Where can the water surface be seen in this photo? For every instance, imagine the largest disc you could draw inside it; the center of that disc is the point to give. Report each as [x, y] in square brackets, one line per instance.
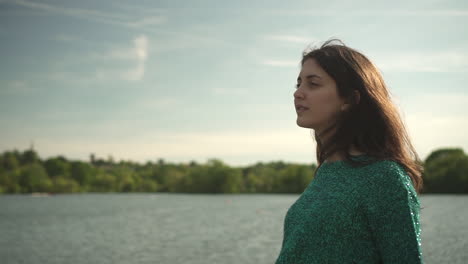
[184, 228]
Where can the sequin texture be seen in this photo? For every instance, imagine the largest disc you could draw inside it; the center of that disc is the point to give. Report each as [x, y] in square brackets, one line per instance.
[367, 214]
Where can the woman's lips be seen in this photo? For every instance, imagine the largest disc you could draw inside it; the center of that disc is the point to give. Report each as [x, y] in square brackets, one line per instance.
[300, 109]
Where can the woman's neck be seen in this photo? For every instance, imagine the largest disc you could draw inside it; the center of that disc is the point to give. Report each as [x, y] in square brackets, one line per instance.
[340, 156]
[353, 151]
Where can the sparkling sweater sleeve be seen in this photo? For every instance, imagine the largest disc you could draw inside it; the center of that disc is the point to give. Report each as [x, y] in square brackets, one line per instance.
[392, 209]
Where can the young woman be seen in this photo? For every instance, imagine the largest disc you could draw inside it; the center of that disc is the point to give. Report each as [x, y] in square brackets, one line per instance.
[362, 205]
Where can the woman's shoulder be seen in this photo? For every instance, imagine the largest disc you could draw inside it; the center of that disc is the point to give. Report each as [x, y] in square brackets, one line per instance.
[388, 176]
[366, 164]
[384, 170]
[373, 171]
[385, 166]
[367, 168]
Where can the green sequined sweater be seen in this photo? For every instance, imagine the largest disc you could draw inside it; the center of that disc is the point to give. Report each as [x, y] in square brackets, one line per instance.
[367, 214]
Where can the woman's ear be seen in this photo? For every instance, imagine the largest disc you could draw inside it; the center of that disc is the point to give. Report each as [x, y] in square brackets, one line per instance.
[354, 100]
[345, 107]
[357, 97]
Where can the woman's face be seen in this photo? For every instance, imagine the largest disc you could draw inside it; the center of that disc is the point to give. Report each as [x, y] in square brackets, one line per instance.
[316, 98]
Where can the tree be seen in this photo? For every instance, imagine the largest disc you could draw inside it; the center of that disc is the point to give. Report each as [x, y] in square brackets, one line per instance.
[82, 172]
[104, 182]
[124, 176]
[57, 166]
[65, 185]
[171, 179]
[443, 153]
[294, 178]
[33, 178]
[29, 156]
[232, 181]
[10, 161]
[262, 178]
[446, 171]
[146, 185]
[9, 180]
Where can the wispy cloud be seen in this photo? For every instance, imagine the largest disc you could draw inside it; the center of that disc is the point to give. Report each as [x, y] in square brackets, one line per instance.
[288, 38]
[66, 38]
[447, 12]
[138, 55]
[281, 63]
[15, 87]
[95, 15]
[76, 12]
[436, 120]
[147, 21]
[444, 61]
[229, 91]
[177, 146]
[453, 98]
[440, 131]
[279, 41]
[154, 103]
[439, 105]
[141, 54]
[355, 12]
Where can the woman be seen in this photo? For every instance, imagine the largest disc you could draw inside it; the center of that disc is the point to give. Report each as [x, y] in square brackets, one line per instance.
[362, 205]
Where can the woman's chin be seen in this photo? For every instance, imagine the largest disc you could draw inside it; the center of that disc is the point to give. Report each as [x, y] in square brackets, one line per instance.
[302, 124]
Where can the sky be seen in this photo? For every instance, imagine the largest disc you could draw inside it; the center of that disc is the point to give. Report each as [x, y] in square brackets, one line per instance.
[194, 80]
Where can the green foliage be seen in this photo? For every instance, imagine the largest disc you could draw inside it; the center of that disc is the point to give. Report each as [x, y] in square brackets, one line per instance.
[9, 160]
[33, 178]
[9, 180]
[446, 170]
[146, 185]
[443, 153]
[124, 176]
[104, 182]
[29, 156]
[261, 178]
[81, 172]
[294, 178]
[58, 166]
[64, 185]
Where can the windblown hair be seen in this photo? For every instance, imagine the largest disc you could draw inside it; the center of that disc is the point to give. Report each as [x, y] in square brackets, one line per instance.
[372, 124]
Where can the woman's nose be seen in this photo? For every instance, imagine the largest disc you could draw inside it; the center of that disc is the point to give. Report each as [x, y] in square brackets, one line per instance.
[298, 93]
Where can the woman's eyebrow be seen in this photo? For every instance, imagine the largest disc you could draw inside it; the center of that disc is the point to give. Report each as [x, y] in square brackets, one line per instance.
[310, 76]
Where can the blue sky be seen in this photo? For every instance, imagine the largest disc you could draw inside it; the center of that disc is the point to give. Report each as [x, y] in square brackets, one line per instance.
[193, 80]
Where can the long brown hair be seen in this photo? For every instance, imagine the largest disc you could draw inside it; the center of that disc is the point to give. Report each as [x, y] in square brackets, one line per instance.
[372, 124]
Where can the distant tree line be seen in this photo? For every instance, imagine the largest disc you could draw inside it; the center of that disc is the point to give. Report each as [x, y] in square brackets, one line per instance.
[446, 171]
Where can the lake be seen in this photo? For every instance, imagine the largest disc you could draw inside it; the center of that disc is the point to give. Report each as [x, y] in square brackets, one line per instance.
[184, 228]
